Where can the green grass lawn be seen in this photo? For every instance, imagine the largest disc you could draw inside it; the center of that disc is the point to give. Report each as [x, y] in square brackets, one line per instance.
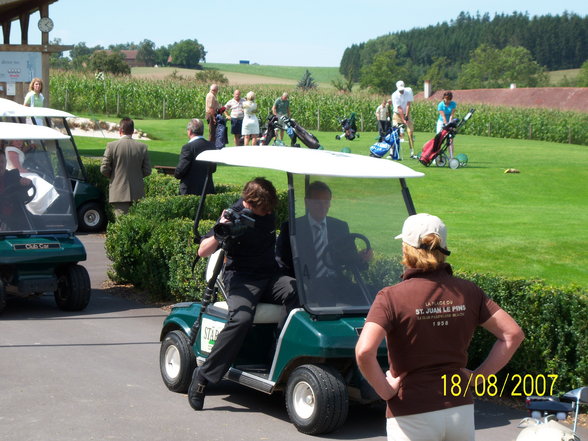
[531, 224]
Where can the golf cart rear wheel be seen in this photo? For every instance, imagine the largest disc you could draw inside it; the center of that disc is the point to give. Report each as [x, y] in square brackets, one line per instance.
[176, 361]
[73, 288]
[316, 399]
[91, 217]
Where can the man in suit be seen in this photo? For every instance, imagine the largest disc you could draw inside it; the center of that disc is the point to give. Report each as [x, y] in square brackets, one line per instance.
[314, 232]
[189, 171]
[125, 163]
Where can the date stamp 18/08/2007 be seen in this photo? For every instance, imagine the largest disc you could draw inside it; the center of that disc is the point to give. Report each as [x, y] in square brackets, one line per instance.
[516, 385]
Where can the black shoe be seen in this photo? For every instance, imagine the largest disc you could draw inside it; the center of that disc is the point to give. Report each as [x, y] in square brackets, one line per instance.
[197, 391]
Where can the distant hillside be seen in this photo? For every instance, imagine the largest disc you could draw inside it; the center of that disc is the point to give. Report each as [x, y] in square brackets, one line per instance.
[556, 42]
[322, 75]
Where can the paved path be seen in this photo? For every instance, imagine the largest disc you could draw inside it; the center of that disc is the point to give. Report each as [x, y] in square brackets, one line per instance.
[95, 375]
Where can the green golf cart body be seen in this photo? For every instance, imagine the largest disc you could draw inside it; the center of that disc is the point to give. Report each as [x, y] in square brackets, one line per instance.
[314, 360]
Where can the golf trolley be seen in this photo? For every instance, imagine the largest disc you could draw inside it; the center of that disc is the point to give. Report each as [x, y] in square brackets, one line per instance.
[436, 148]
[547, 411]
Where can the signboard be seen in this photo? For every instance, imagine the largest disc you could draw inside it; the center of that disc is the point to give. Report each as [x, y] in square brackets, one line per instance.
[19, 67]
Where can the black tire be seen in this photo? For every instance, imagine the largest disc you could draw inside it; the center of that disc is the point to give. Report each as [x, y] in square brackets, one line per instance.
[73, 288]
[2, 296]
[91, 217]
[316, 399]
[176, 361]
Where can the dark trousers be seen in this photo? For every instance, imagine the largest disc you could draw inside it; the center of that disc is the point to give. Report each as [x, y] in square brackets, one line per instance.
[245, 292]
[383, 127]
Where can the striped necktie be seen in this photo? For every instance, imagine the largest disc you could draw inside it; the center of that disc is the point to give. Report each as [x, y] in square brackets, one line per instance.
[320, 243]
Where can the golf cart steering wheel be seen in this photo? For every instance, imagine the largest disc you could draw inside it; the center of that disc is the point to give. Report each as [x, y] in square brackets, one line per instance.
[343, 252]
[20, 193]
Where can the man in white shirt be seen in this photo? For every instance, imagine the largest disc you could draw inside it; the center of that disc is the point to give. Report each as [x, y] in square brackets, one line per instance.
[401, 101]
[235, 107]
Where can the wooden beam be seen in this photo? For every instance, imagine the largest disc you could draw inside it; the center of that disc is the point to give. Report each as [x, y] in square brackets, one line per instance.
[49, 48]
[6, 31]
[24, 28]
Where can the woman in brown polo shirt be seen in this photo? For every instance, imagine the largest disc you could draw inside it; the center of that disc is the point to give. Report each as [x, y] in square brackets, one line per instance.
[428, 321]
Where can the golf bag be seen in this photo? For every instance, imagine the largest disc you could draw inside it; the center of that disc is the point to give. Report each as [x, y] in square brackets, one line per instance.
[269, 130]
[391, 143]
[307, 138]
[221, 137]
[349, 128]
[442, 140]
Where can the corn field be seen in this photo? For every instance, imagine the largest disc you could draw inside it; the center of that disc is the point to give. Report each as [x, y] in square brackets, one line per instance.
[315, 110]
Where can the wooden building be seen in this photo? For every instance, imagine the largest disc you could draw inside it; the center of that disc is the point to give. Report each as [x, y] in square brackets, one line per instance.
[14, 81]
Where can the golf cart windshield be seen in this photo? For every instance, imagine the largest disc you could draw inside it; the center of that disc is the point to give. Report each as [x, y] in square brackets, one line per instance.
[56, 119]
[343, 249]
[35, 191]
[360, 203]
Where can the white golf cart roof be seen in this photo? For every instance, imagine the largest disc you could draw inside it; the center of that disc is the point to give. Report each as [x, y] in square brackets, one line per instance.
[10, 131]
[11, 109]
[309, 162]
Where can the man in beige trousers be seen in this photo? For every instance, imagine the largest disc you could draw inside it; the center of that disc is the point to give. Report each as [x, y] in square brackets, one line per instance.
[125, 163]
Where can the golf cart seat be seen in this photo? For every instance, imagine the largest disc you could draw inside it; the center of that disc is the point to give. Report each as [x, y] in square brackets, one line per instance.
[264, 313]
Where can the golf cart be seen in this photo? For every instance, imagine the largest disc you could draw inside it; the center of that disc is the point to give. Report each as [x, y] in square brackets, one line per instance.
[38, 250]
[89, 200]
[314, 360]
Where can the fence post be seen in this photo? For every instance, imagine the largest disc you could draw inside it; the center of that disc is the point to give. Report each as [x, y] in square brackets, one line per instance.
[318, 120]
[530, 131]
[489, 131]
[117, 103]
[569, 135]
[163, 115]
[361, 121]
[66, 97]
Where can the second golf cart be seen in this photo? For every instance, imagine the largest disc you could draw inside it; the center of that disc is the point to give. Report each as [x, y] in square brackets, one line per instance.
[314, 361]
[39, 252]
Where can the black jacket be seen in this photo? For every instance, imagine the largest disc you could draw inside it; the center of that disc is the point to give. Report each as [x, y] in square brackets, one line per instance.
[191, 172]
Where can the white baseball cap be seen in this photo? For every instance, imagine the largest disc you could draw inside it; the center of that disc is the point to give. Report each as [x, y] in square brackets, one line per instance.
[400, 85]
[420, 225]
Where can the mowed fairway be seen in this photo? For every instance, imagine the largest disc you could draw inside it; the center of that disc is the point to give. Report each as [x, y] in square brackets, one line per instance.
[530, 225]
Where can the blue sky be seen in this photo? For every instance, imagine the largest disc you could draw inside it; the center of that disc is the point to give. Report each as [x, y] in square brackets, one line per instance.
[294, 33]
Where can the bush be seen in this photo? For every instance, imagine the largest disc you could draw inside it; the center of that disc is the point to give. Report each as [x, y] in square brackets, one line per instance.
[153, 246]
[555, 321]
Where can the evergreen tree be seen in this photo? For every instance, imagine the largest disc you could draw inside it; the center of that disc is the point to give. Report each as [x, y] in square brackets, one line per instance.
[307, 82]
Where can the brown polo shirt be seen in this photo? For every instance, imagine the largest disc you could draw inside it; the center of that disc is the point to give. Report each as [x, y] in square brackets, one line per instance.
[429, 319]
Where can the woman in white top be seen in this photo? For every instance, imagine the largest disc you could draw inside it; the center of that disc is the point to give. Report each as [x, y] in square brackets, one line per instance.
[250, 129]
[15, 156]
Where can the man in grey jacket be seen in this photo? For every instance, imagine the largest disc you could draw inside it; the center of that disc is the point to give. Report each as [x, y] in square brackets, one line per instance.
[125, 163]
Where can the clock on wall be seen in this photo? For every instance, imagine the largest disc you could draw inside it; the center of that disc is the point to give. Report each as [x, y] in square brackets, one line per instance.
[45, 24]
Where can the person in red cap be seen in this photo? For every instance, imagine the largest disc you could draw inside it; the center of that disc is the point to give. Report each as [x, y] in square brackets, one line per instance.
[428, 321]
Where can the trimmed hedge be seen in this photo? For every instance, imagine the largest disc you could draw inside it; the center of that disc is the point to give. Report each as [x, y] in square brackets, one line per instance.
[153, 248]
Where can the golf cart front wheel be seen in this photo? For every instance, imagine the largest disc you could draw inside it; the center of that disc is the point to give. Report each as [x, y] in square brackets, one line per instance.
[176, 361]
[316, 399]
[2, 296]
[73, 288]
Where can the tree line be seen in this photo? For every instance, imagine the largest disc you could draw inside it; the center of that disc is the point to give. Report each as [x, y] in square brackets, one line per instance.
[185, 54]
[525, 46]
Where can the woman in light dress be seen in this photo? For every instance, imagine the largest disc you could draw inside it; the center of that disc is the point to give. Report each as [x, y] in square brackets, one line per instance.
[34, 98]
[250, 130]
